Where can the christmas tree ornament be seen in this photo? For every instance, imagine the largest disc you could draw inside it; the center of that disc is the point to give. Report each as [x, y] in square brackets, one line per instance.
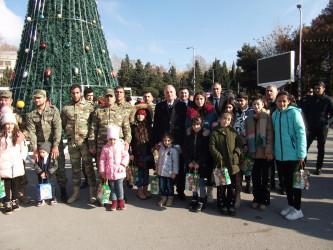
[20, 104]
[113, 74]
[48, 72]
[41, 16]
[13, 75]
[86, 48]
[77, 17]
[94, 21]
[99, 72]
[76, 70]
[103, 51]
[67, 45]
[102, 27]
[59, 15]
[27, 51]
[43, 46]
[25, 74]
[29, 19]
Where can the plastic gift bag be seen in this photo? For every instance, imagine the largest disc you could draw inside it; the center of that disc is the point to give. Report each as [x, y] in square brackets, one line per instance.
[103, 192]
[129, 175]
[246, 164]
[301, 177]
[44, 191]
[2, 189]
[196, 183]
[135, 172]
[221, 176]
[189, 181]
[154, 185]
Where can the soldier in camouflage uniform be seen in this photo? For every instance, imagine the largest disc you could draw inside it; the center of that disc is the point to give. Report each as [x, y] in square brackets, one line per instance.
[102, 117]
[44, 124]
[6, 100]
[120, 100]
[75, 121]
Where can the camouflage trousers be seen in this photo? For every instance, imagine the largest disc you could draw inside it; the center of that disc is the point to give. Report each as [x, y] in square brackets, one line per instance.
[76, 153]
[61, 171]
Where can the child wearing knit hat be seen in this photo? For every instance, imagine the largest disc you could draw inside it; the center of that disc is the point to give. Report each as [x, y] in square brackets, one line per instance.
[12, 154]
[45, 169]
[112, 166]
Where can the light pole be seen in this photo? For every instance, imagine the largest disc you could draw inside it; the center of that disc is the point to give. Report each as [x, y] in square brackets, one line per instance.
[299, 93]
[193, 47]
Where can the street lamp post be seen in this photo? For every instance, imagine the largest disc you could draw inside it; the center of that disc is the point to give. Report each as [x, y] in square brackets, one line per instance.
[299, 93]
[193, 47]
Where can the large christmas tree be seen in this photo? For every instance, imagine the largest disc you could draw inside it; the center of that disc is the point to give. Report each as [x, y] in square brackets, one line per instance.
[62, 44]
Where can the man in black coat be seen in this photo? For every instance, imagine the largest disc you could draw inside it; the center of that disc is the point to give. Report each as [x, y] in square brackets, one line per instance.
[170, 116]
[217, 98]
[318, 115]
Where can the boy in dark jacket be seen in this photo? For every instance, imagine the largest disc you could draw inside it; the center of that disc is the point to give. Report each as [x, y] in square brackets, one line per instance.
[45, 169]
[225, 147]
[195, 153]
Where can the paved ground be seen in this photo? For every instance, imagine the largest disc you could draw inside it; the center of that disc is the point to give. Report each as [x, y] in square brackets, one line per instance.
[143, 225]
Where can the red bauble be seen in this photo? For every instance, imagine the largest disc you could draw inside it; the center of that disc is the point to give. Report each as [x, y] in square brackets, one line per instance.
[43, 45]
[48, 72]
[113, 74]
[13, 75]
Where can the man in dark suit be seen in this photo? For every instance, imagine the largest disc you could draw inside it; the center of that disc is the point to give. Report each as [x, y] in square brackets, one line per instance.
[183, 95]
[217, 98]
[170, 116]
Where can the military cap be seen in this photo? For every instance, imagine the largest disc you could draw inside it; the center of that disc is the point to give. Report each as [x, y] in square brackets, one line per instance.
[109, 92]
[39, 93]
[6, 93]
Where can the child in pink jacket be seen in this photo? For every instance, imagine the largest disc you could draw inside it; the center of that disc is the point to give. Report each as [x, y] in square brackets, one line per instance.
[112, 166]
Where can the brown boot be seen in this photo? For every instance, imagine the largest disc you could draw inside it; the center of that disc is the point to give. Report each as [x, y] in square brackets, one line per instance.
[75, 196]
[141, 195]
[162, 201]
[146, 192]
[92, 194]
[22, 198]
[169, 201]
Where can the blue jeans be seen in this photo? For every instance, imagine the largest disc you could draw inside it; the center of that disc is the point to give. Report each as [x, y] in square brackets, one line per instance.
[143, 178]
[202, 189]
[117, 190]
[166, 186]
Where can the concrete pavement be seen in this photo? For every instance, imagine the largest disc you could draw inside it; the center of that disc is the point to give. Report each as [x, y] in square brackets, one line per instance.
[143, 225]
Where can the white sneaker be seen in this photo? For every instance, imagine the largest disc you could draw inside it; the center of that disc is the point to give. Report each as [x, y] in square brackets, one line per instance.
[286, 210]
[294, 214]
[210, 195]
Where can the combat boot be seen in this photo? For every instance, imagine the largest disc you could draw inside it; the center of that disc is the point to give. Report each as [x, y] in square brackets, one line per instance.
[75, 196]
[169, 201]
[22, 198]
[92, 193]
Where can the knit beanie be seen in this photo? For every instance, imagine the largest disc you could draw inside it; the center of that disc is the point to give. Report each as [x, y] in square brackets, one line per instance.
[46, 146]
[141, 112]
[7, 115]
[113, 132]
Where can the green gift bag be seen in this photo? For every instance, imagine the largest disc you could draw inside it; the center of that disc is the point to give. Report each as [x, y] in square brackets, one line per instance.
[135, 172]
[2, 189]
[103, 192]
[154, 185]
[246, 164]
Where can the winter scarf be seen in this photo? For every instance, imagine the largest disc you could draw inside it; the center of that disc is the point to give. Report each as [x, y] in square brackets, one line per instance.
[259, 140]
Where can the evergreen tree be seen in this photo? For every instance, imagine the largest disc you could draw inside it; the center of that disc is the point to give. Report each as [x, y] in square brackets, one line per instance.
[62, 44]
[7, 76]
[225, 78]
[233, 76]
[125, 72]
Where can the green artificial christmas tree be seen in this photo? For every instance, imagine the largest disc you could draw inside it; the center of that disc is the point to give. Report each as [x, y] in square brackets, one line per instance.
[62, 44]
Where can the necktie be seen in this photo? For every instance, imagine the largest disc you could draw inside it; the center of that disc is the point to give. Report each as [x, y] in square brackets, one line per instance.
[216, 104]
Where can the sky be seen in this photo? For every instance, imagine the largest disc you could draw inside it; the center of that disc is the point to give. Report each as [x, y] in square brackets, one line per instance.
[160, 31]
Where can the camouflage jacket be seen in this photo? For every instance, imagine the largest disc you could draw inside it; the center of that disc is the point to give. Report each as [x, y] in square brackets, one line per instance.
[126, 106]
[76, 118]
[44, 126]
[102, 117]
[20, 122]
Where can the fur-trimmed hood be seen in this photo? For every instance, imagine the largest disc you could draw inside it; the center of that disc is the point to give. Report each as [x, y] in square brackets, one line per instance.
[138, 107]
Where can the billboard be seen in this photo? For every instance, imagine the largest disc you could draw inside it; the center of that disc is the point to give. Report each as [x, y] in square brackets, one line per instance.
[278, 69]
